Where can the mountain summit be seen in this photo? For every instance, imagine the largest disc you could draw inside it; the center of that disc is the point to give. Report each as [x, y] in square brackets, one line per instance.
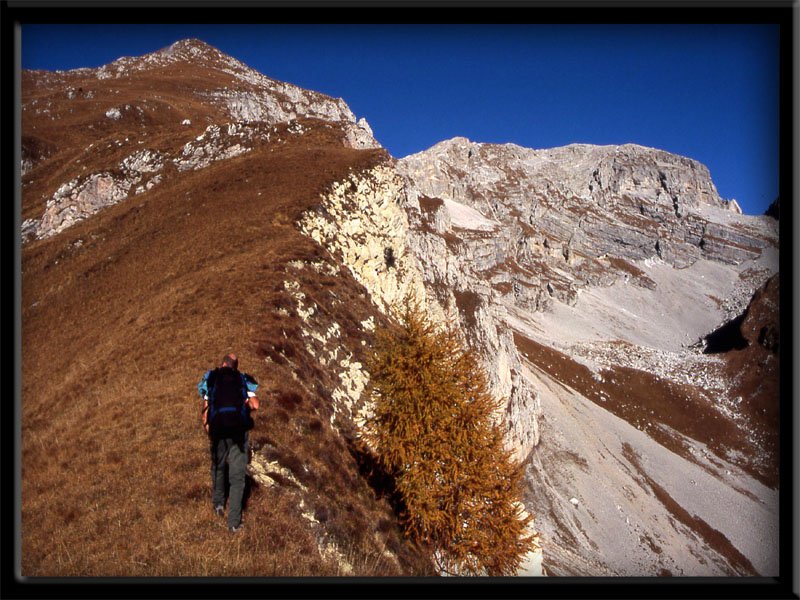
[180, 205]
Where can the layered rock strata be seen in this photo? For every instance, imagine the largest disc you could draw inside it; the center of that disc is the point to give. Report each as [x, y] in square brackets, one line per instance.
[571, 215]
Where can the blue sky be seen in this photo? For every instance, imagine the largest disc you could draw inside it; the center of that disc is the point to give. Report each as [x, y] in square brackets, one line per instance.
[709, 92]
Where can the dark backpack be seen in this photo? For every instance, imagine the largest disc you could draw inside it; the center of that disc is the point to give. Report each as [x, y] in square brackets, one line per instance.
[227, 394]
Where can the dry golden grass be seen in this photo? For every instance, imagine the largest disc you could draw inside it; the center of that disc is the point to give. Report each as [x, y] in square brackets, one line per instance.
[116, 333]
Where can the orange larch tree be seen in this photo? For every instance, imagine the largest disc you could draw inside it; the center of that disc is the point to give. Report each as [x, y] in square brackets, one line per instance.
[434, 429]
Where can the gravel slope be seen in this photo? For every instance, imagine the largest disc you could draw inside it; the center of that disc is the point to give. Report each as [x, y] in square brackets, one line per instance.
[608, 498]
[617, 523]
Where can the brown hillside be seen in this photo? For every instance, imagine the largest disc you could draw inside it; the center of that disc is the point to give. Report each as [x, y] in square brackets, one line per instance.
[755, 370]
[64, 114]
[121, 315]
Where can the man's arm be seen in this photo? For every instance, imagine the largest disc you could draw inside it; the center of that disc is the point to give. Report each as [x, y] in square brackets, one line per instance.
[202, 387]
[252, 386]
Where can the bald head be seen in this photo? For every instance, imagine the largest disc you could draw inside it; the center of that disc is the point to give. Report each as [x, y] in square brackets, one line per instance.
[230, 360]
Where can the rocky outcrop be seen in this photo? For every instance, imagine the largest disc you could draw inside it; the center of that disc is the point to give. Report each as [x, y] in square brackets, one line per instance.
[621, 256]
[476, 228]
[362, 221]
[254, 106]
[255, 97]
[85, 195]
[375, 222]
[246, 94]
[80, 198]
[602, 175]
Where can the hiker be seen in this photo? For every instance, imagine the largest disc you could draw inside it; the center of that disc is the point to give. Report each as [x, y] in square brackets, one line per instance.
[229, 396]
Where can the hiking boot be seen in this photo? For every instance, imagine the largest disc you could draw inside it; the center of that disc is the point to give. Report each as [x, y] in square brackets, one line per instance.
[220, 510]
[235, 529]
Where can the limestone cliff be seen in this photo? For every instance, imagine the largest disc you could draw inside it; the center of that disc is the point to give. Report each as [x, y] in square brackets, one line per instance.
[374, 223]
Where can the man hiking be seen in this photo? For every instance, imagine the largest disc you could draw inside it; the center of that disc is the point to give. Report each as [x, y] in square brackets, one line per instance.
[229, 397]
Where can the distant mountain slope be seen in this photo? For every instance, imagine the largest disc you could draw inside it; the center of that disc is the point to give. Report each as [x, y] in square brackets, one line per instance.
[608, 265]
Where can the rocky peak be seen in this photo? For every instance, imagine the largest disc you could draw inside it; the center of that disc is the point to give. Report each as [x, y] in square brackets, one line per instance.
[214, 79]
[501, 230]
[592, 201]
[192, 52]
[600, 174]
[189, 50]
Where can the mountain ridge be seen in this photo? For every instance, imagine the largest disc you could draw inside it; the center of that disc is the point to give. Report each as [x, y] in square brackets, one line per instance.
[555, 270]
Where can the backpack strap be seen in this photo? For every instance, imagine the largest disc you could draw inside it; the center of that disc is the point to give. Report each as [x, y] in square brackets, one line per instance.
[211, 380]
[244, 400]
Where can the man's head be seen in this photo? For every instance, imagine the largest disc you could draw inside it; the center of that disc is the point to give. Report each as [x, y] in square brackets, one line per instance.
[230, 360]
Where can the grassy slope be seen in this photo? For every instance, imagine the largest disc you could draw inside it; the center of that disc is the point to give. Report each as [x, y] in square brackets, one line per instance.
[117, 331]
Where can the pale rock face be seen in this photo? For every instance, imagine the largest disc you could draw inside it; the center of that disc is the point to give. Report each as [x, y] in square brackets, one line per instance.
[259, 98]
[362, 221]
[215, 144]
[252, 97]
[455, 246]
[373, 216]
[359, 135]
[143, 161]
[84, 196]
[74, 201]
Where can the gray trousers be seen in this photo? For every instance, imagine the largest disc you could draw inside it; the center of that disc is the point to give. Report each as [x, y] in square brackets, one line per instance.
[234, 452]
